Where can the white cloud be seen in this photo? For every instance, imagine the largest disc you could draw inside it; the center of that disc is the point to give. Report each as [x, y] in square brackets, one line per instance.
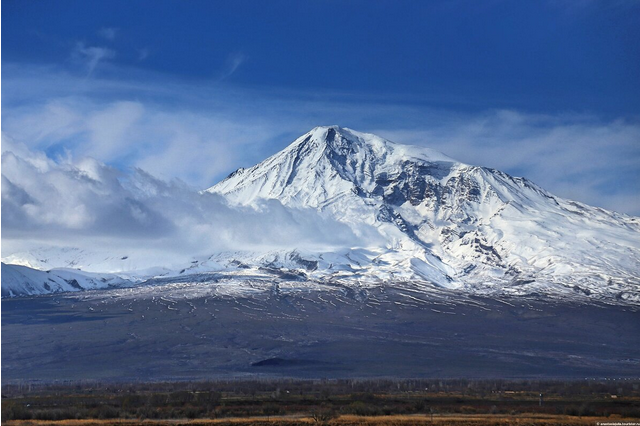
[143, 54]
[86, 204]
[91, 56]
[54, 121]
[108, 33]
[110, 130]
[233, 62]
[183, 150]
[194, 146]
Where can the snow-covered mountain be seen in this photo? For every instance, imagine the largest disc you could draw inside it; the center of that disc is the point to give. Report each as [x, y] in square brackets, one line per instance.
[444, 226]
[452, 224]
[21, 281]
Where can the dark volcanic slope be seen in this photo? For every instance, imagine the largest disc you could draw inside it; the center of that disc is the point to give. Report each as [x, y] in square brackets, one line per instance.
[96, 335]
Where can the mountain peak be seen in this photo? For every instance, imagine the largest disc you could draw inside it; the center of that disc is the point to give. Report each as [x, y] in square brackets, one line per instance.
[349, 142]
[333, 136]
[324, 130]
[324, 163]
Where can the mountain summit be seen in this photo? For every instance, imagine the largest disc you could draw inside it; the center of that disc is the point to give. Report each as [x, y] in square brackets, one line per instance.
[449, 223]
[323, 164]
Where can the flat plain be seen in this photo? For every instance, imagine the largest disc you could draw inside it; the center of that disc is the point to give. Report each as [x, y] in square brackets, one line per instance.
[196, 331]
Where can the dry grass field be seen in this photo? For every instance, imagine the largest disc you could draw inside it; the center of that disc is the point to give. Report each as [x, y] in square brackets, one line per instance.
[344, 402]
[350, 420]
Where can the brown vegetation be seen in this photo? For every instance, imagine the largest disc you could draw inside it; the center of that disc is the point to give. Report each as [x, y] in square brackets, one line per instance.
[347, 420]
[341, 402]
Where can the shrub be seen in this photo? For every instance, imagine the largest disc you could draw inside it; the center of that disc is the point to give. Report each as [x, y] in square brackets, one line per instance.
[14, 411]
[323, 414]
[104, 412]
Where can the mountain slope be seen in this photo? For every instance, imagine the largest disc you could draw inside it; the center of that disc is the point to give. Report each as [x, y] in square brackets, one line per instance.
[455, 225]
[24, 281]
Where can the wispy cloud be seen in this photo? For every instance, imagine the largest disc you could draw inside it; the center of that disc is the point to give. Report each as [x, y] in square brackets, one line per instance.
[112, 129]
[108, 33]
[196, 146]
[91, 56]
[143, 54]
[201, 132]
[233, 62]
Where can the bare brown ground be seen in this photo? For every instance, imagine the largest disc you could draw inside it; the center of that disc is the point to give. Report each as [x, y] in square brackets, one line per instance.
[348, 420]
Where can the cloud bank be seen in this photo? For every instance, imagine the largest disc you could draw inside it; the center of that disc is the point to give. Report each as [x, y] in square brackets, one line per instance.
[88, 205]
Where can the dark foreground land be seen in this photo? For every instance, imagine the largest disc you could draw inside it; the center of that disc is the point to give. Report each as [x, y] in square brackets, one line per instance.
[202, 331]
[347, 420]
[199, 353]
[337, 402]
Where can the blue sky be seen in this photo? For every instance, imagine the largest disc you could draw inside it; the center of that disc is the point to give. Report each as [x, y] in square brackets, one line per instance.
[556, 55]
[195, 89]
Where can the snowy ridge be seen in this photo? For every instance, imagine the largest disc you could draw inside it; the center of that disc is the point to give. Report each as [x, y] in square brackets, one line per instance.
[444, 226]
[21, 281]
